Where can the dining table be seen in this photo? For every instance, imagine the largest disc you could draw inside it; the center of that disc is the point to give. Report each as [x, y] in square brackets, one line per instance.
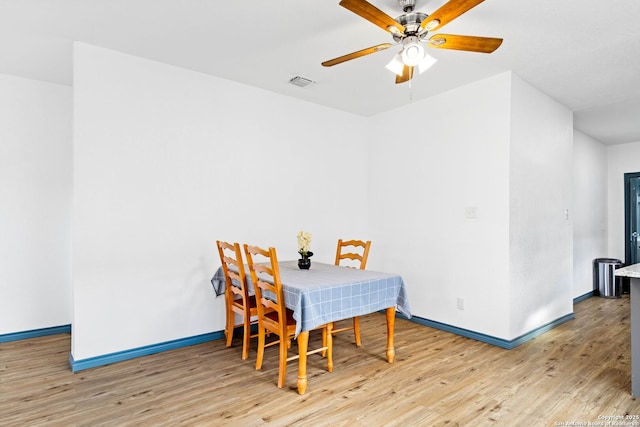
[327, 293]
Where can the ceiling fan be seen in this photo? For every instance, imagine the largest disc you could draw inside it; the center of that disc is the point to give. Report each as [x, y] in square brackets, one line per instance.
[411, 29]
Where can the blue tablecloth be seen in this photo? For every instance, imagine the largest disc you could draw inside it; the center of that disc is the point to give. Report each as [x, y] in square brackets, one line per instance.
[328, 293]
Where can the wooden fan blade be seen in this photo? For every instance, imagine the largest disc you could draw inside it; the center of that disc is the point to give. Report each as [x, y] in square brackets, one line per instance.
[372, 14]
[447, 13]
[468, 43]
[358, 54]
[407, 74]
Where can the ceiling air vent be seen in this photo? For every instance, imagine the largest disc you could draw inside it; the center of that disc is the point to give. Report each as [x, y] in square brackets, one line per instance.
[300, 81]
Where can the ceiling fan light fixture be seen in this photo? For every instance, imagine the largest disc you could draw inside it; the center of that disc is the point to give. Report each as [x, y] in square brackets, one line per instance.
[413, 52]
[396, 65]
[426, 63]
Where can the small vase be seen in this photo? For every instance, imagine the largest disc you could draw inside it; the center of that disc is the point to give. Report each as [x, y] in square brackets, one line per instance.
[304, 263]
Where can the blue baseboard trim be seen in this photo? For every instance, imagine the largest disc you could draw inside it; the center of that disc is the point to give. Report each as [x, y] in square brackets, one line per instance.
[54, 330]
[499, 342]
[581, 298]
[92, 362]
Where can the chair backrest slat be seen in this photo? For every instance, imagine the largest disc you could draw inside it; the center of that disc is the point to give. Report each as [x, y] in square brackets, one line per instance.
[233, 268]
[265, 276]
[355, 250]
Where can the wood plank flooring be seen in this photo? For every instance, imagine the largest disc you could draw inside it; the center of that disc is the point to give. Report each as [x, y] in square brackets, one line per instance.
[577, 372]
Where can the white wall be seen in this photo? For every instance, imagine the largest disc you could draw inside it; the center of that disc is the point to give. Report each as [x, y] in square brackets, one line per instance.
[503, 148]
[589, 209]
[624, 158]
[422, 180]
[165, 159]
[540, 231]
[168, 160]
[35, 204]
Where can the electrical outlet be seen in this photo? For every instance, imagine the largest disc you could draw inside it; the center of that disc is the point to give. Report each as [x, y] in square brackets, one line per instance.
[460, 303]
[471, 212]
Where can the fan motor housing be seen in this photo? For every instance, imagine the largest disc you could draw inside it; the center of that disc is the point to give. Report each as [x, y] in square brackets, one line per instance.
[411, 22]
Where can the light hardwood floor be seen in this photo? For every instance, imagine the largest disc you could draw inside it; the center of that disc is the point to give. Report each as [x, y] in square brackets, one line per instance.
[577, 372]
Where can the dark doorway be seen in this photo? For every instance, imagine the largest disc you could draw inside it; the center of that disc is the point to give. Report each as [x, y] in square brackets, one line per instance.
[631, 216]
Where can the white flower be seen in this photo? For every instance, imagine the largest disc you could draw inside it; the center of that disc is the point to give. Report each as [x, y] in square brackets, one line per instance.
[304, 242]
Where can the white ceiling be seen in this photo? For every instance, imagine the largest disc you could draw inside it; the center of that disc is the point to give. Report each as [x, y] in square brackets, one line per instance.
[583, 53]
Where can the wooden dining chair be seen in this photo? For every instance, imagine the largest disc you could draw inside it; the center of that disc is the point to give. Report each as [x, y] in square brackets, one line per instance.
[273, 316]
[354, 254]
[236, 294]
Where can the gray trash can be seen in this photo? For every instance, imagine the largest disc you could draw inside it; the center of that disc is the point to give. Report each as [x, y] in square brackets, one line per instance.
[604, 278]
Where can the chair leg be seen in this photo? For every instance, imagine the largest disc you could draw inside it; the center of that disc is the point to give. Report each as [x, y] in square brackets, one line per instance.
[228, 331]
[356, 330]
[282, 369]
[260, 348]
[325, 331]
[246, 338]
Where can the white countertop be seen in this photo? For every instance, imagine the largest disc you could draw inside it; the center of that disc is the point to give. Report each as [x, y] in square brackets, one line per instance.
[632, 270]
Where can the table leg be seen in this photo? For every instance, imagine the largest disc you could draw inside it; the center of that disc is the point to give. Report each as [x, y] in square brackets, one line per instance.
[391, 317]
[330, 345]
[303, 345]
